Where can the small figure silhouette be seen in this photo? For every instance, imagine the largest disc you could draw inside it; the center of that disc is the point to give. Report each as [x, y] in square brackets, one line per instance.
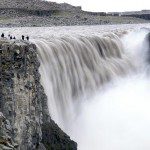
[10, 37]
[2, 35]
[14, 37]
[22, 37]
[27, 38]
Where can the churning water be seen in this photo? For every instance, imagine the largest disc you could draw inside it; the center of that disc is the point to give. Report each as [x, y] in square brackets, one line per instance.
[97, 82]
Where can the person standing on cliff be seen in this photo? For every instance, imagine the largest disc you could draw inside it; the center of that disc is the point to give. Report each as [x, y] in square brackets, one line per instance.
[27, 38]
[22, 37]
[2, 35]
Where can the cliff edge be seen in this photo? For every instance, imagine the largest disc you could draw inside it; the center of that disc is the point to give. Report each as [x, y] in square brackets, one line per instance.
[25, 123]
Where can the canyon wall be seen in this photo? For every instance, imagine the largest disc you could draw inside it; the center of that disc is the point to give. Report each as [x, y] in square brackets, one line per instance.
[25, 123]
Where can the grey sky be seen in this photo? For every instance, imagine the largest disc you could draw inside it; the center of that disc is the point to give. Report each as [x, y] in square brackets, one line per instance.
[109, 5]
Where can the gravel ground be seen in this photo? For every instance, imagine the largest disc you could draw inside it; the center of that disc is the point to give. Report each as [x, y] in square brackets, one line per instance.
[39, 13]
[65, 19]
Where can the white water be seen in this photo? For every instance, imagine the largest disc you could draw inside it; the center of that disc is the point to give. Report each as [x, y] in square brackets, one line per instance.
[117, 115]
[71, 67]
[108, 115]
[117, 118]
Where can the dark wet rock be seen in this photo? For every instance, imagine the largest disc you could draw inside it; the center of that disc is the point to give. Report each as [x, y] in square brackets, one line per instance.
[25, 123]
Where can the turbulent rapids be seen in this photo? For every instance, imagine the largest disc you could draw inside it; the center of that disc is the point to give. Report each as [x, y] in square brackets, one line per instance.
[76, 73]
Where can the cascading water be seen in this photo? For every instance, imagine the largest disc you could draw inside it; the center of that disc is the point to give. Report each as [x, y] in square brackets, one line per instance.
[76, 68]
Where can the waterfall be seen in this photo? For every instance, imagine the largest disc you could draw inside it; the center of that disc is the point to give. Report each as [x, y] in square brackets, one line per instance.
[76, 66]
[95, 85]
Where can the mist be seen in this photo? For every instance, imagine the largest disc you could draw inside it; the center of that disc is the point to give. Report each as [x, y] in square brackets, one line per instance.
[99, 113]
[117, 116]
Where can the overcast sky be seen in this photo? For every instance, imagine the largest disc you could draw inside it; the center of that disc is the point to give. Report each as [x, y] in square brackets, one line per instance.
[109, 5]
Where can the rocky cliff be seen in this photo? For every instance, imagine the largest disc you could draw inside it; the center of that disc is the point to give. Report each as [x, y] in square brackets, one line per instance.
[25, 123]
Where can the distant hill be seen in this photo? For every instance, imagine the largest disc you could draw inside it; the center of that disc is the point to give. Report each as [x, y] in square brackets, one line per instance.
[36, 5]
[22, 13]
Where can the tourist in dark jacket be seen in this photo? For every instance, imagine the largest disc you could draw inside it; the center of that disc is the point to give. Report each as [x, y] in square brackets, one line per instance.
[27, 38]
[2, 35]
[22, 37]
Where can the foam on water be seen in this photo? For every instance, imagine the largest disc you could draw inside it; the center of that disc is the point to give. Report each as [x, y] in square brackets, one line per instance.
[51, 32]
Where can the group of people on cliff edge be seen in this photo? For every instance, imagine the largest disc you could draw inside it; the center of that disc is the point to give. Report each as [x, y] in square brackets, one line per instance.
[13, 37]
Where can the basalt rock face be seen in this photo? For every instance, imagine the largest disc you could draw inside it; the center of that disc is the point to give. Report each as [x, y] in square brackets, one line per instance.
[25, 123]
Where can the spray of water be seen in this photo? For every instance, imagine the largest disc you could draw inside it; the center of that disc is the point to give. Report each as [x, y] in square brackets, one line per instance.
[71, 67]
[98, 89]
[118, 116]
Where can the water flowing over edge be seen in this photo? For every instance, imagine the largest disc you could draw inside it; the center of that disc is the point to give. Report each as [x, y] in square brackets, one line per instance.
[74, 67]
